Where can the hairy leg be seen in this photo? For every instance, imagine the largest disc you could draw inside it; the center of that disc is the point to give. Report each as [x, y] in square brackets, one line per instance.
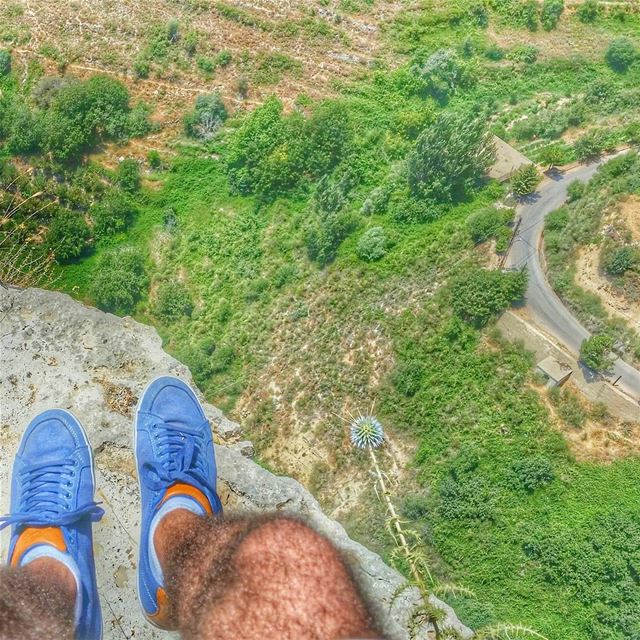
[37, 601]
[257, 578]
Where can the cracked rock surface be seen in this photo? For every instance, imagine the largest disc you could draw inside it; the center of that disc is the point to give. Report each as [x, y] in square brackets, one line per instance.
[56, 352]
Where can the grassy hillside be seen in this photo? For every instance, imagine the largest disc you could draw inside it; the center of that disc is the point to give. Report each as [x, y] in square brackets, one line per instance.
[323, 253]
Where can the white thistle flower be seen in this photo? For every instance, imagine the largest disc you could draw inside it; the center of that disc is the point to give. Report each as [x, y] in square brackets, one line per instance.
[366, 432]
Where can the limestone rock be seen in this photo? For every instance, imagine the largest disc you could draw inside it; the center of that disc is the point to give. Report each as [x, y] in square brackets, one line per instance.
[58, 352]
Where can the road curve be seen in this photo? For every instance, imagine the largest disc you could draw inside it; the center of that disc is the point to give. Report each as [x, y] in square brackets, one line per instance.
[544, 306]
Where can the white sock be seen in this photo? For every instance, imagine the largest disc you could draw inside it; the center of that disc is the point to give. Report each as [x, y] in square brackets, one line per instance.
[48, 551]
[175, 502]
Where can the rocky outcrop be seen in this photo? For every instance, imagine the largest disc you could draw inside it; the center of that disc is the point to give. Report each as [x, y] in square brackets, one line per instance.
[58, 352]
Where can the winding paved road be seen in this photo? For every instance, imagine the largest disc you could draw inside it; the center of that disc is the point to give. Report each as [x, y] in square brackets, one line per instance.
[545, 307]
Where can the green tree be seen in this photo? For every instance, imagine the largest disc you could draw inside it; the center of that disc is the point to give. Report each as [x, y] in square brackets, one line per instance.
[372, 244]
[617, 260]
[592, 144]
[173, 301]
[588, 11]
[449, 158]
[621, 54]
[68, 235]
[553, 155]
[486, 223]
[533, 472]
[112, 214]
[128, 175]
[206, 118]
[119, 279]
[327, 136]
[480, 294]
[595, 352]
[525, 180]
[550, 14]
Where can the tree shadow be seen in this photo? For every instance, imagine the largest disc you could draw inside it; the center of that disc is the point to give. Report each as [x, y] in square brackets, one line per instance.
[555, 174]
[529, 198]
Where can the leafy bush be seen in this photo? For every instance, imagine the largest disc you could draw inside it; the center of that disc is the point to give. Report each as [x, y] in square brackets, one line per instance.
[588, 11]
[478, 295]
[325, 237]
[526, 53]
[617, 260]
[592, 144]
[407, 377]
[372, 244]
[142, 67]
[68, 235]
[595, 352]
[73, 115]
[112, 214]
[173, 301]
[5, 62]
[595, 561]
[525, 180]
[207, 117]
[621, 54]
[119, 280]
[550, 14]
[532, 473]
[154, 159]
[466, 498]
[494, 52]
[576, 190]
[128, 175]
[486, 223]
[271, 153]
[449, 158]
[444, 72]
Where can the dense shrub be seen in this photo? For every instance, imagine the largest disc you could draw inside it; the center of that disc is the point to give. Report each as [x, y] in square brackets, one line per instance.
[575, 190]
[207, 117]
[128, 175]
[449, 158]
[372, 244]
[595, 559]
[119, 279]
[526, 53]
[617, 260]
[5, 62]
[494, 52]
[595, 352]
[621, 54]
[466, 498]
[73, 115]
[173, 301]
[68, 235]
[532, 473]
[480, 294]
[444, 72]
[407, 377]
[487, 222]
[271, 153]
[588, 11]
[592, 144]
[550, 13]
[154, 159]
[525, 180]
[112, 214]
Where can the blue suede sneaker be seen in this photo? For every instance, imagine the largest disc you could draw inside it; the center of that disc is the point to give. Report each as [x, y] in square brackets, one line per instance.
[176, 470]
[52, 508]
